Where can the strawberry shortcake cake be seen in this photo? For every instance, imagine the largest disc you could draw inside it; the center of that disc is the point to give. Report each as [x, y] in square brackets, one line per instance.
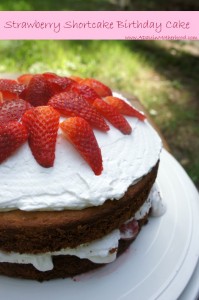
[78, 165]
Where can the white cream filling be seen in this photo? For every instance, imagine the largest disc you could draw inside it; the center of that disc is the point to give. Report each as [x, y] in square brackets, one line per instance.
[154, 201]
[71, 184]
[96, 251]
[99, 251]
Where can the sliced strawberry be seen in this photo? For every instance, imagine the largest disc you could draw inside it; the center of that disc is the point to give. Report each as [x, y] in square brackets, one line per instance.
[13, 110]
[72, 104]
[86, 92]
[10, 89]
[101, 89]
[42, 123]
[25, 78]
[60, 84]
[1, 99]
[80, 134]
[124, 108]
[12, 136]
[112, 115]
[49, 75]
[37, 92]
[76, 79]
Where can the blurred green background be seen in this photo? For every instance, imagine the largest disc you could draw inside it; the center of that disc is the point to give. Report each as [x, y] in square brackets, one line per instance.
[164, 75]
[98, 5]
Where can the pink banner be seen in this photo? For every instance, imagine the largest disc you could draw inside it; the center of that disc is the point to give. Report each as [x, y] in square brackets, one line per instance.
[101, 25]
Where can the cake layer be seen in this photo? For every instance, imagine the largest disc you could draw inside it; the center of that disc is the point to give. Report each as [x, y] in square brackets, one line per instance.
[64, 265]
[44, 231]
[103, 250]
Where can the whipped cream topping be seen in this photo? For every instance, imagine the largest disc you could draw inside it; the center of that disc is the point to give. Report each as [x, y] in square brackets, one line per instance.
[70, 183]
[100, 251]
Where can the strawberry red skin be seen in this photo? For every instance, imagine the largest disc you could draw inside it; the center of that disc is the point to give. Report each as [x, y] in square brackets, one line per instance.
[60, 84]
[101, 89]
[80, 134]
[1, 99]
[124, 108]
[42, 123]
[50, 75]
[10, 89]
[42, 87]
[76, 78]
[86, 92]
[72, 104]
[12, 136]
[62, 81]
[25, 79]
[13, 110]
[113, 116]
[38, 92]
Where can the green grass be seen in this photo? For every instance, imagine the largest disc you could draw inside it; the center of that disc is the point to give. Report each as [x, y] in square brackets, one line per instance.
[56, 5]
[97, 5]
[163, 75]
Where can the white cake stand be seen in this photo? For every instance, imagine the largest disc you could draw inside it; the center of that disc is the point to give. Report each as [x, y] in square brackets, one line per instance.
[161, 264]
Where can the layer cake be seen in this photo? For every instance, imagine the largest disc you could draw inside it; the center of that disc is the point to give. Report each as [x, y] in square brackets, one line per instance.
[65, 219]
